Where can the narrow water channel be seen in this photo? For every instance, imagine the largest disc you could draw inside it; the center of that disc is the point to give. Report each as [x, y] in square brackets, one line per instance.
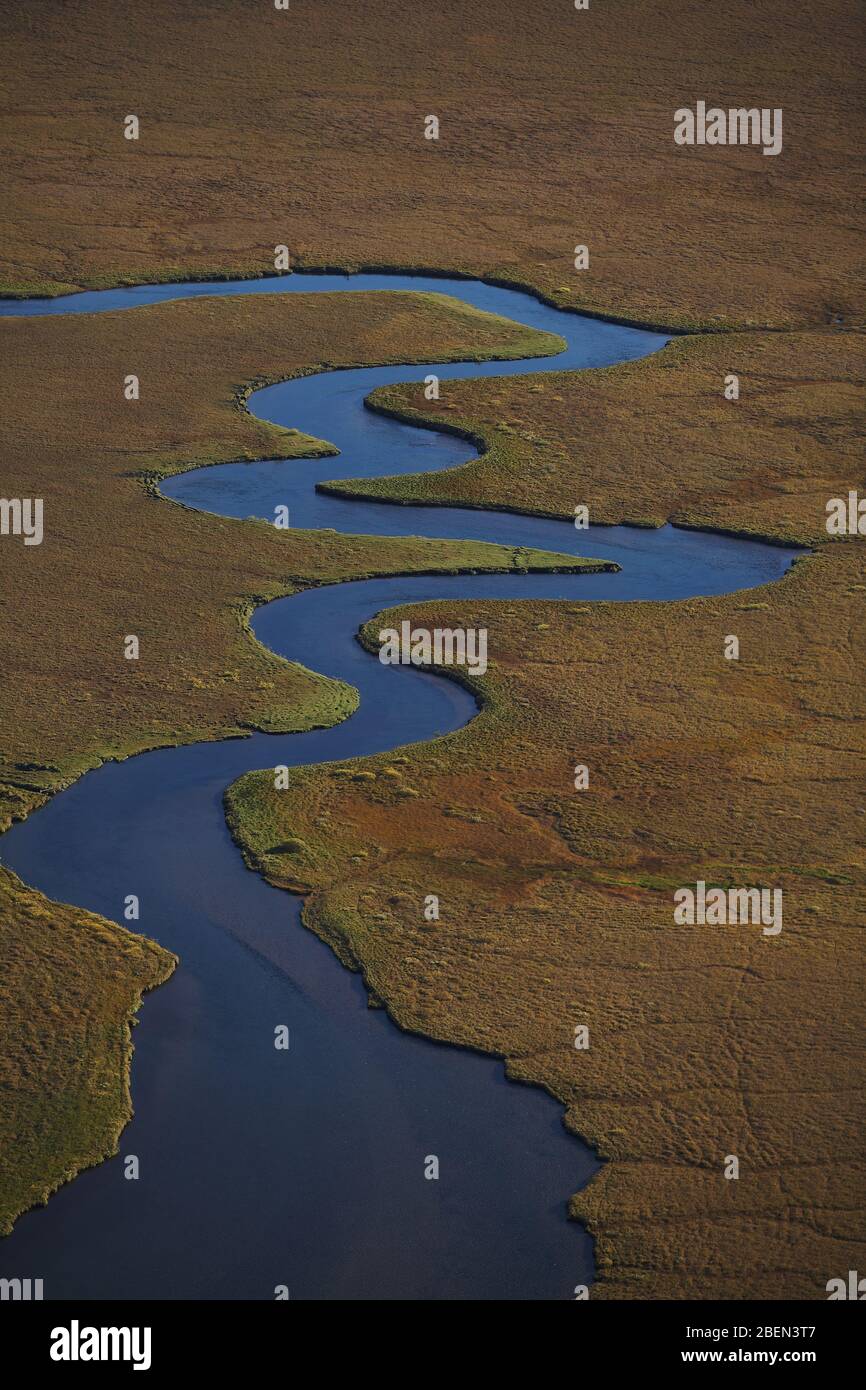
[305, 1168]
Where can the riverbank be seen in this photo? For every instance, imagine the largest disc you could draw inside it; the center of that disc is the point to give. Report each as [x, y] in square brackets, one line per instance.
[656, 440]
[71, 984]
[309, 133]
[736, 772]
[536, 649]
[117, 560]
[703, 1042]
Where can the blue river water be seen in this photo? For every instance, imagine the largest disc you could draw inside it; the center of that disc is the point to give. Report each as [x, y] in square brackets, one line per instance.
[306, 1168]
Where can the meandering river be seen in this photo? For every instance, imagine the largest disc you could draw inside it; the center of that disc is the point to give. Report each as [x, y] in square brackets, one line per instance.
[262, 1168]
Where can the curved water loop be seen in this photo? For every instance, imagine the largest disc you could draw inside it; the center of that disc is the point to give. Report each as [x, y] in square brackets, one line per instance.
[306, 1169]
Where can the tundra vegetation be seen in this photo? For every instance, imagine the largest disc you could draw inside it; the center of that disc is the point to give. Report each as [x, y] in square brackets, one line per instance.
[306, 128]
[555, 129]
[556, 904]
[657, 439]
[117, 560]
[555, 908]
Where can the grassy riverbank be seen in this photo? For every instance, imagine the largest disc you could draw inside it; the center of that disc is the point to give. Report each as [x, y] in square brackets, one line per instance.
[556, 129]
[556, 905]
[556, 909]
[117, 560]
[70, 985]
[656, 439]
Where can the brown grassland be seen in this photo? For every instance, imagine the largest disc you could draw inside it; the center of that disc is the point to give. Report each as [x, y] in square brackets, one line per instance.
[556, 909]
[656, 440]
[557, 905]
[306, 128]
[70, 983]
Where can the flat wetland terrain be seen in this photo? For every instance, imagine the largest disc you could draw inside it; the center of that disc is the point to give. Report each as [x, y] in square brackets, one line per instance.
[556, 908]
[305, 128]
[656, 440]
[119, 560]
[556, 905]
